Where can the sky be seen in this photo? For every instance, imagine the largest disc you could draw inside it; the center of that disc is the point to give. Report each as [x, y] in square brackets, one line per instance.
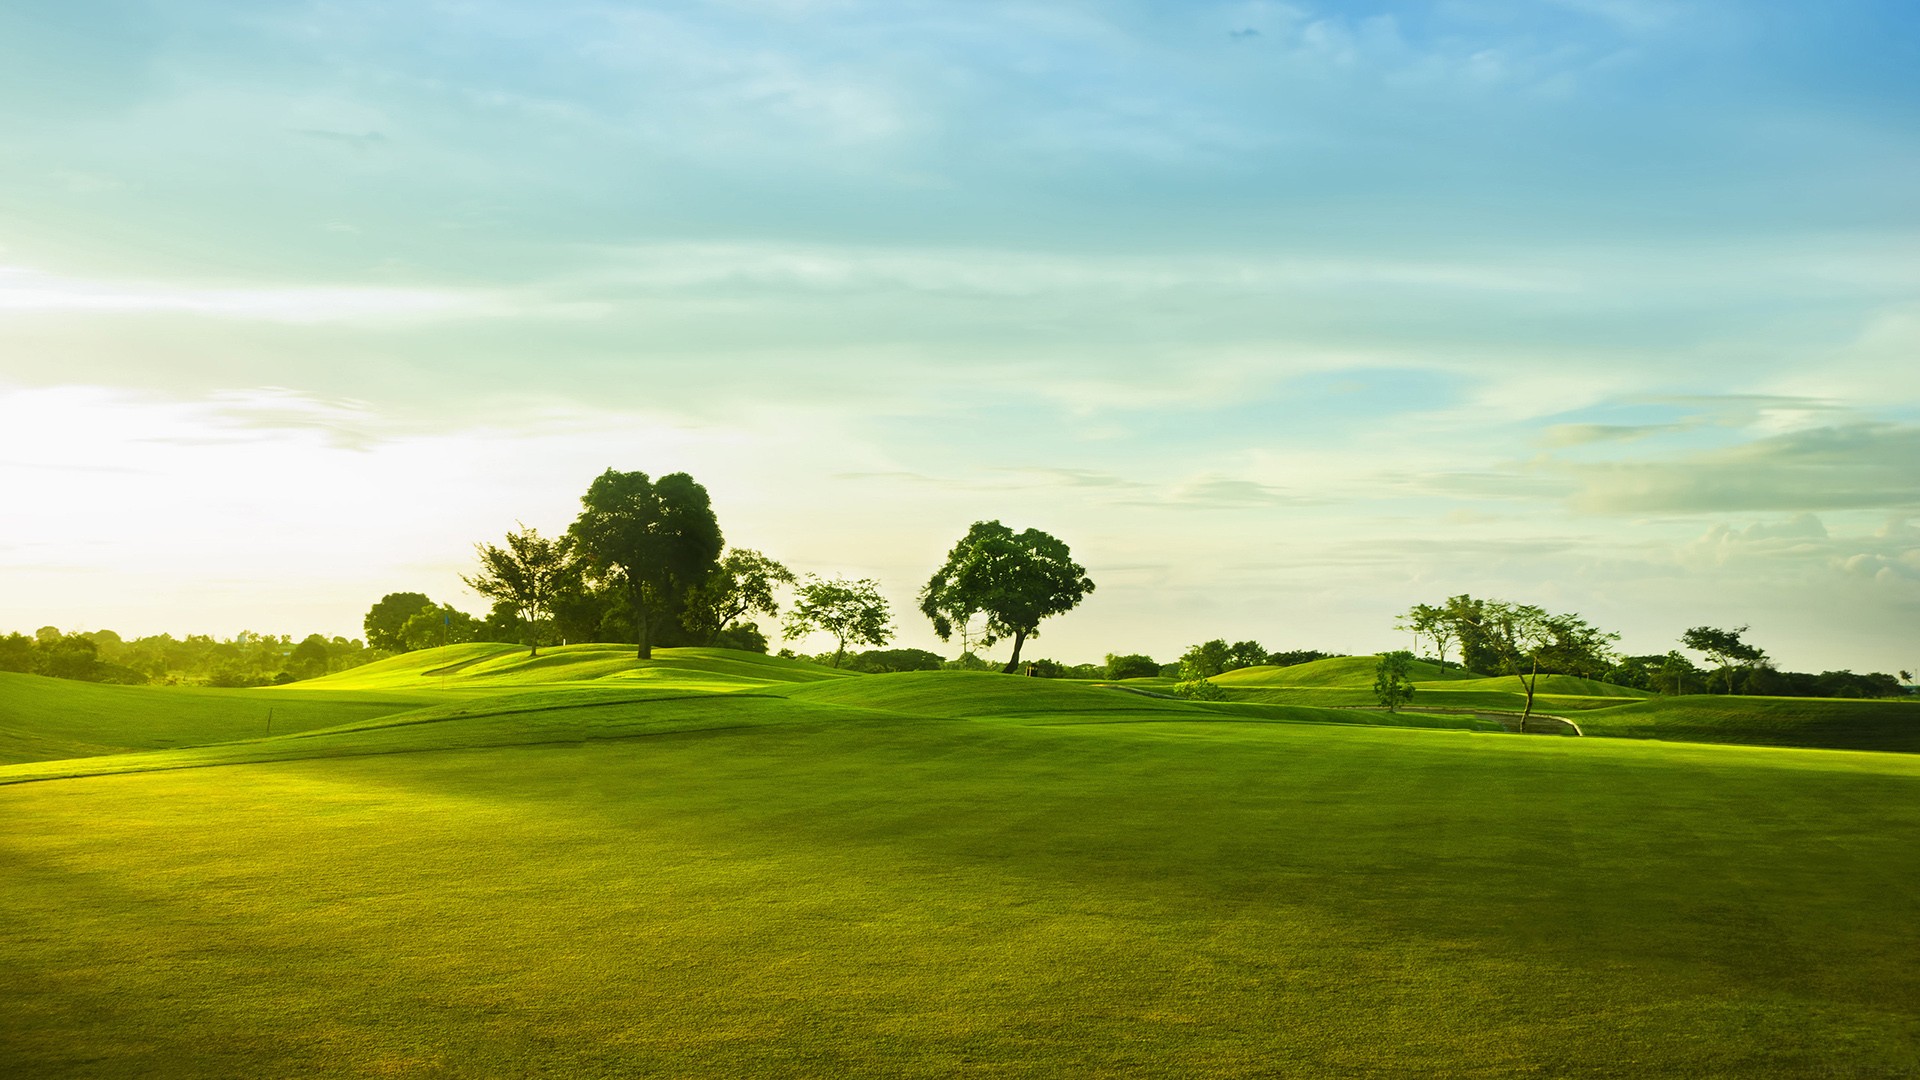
[1284, 316]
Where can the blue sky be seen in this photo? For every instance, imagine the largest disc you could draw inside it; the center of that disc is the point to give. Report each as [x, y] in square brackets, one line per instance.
[1284, 315]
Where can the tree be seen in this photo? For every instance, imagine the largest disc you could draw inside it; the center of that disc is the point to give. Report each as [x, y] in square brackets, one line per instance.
[385, 618]
[1723, 647]
[530, 573]
[1390, 683]
[1432, 623]
[1015, 580]
[849, 610]
[653, 541]
[1246, 654]
[1131, 666]
[309, 658]
[436, 625]
[741, 584]
[1205, 660]
[1526, 641]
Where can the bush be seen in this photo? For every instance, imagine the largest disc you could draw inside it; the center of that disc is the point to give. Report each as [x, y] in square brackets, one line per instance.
[1131, 666]
[1201, 689]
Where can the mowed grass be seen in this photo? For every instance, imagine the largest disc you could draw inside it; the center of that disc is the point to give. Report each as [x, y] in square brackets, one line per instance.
[45, 719]
[830, 889]
[491, 668]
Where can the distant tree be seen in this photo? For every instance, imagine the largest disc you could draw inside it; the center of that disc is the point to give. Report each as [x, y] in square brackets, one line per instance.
[1243, 654]
[653, 541]
[1131, 666]
[1205, 660]
[1296, 656]
[436, 625]
[309, 658]
[1391, 685]
[741, 584]
[880, 661]
[1014, 580]
[1724, 648]
[16, 653]
[386, 618]
[746, 637]
[70, 656]
[849, 610]
[1200, 689]
[967, 661]
[530, 573]
[1432, 623]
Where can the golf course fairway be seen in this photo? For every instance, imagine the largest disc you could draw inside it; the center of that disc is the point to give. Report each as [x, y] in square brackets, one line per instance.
[783, 872]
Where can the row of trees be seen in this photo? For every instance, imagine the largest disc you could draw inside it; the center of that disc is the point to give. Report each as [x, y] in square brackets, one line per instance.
[247, 659]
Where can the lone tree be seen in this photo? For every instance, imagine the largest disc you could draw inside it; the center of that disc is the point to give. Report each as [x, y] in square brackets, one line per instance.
[651, 540]
[1390, 683]
[1724, 648]
[1526, 642]
[387, 618]
[741, 584]
[529, 574]
[1015, 580]
[849, 610]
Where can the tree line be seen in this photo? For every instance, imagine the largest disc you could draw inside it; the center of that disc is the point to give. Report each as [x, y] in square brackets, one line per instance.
[1526, 641]
[246, 659]
[645, 562]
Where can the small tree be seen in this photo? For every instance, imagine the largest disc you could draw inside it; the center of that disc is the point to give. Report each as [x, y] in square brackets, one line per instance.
[849, 610]
[1432, 623]
[529, 573]
[1390, 683]
[1205, 660]
[1014, 579]
[741, 584]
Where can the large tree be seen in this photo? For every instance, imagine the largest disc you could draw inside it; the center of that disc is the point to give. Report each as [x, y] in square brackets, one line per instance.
[741, 584]
[1527, 642]
[653, 540]
[389, 616]
[849, 610]
[530, 573]
[1432, 623]
[1015, 580]
[1724, 648]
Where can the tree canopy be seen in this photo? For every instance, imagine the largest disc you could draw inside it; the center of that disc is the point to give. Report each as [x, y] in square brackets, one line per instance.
[388, 617]
[652, 540]
[849, 610]
[741, 584]
[1015, 580]
[529, 573]
[1724, 648]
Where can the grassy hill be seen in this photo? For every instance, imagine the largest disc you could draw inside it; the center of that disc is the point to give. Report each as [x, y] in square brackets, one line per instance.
[1807, 722]
[466, 863]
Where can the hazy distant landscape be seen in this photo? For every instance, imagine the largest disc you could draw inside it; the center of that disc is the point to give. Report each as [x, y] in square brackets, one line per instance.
[784, 538]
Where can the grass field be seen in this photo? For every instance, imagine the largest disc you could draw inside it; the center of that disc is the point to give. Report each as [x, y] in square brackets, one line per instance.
[740, 867]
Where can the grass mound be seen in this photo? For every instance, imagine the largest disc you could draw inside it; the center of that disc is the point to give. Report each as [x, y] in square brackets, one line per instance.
[493, 667]
[1336, 671]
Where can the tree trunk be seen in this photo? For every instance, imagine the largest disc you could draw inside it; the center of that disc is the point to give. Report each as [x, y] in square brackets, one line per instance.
[1529, 685]
[839, 650]
[1013, 665]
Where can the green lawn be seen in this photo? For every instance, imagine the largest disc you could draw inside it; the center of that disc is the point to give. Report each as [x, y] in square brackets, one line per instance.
[940, 874]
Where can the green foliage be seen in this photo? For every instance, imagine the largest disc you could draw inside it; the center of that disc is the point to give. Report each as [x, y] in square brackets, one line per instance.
[433, 626]
[651, 541]
[1297, 656]
[388, 616]
[967, 661]
[1433, 623]
[848, 610]
[742, 584]
[746, 637]
[1131, 666]
[1244, 654]
[1724, 648]
[878, 661]
[528, 575]
[1391, 685]
[1205, 660]
[1200, 688]
[1014, 580]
